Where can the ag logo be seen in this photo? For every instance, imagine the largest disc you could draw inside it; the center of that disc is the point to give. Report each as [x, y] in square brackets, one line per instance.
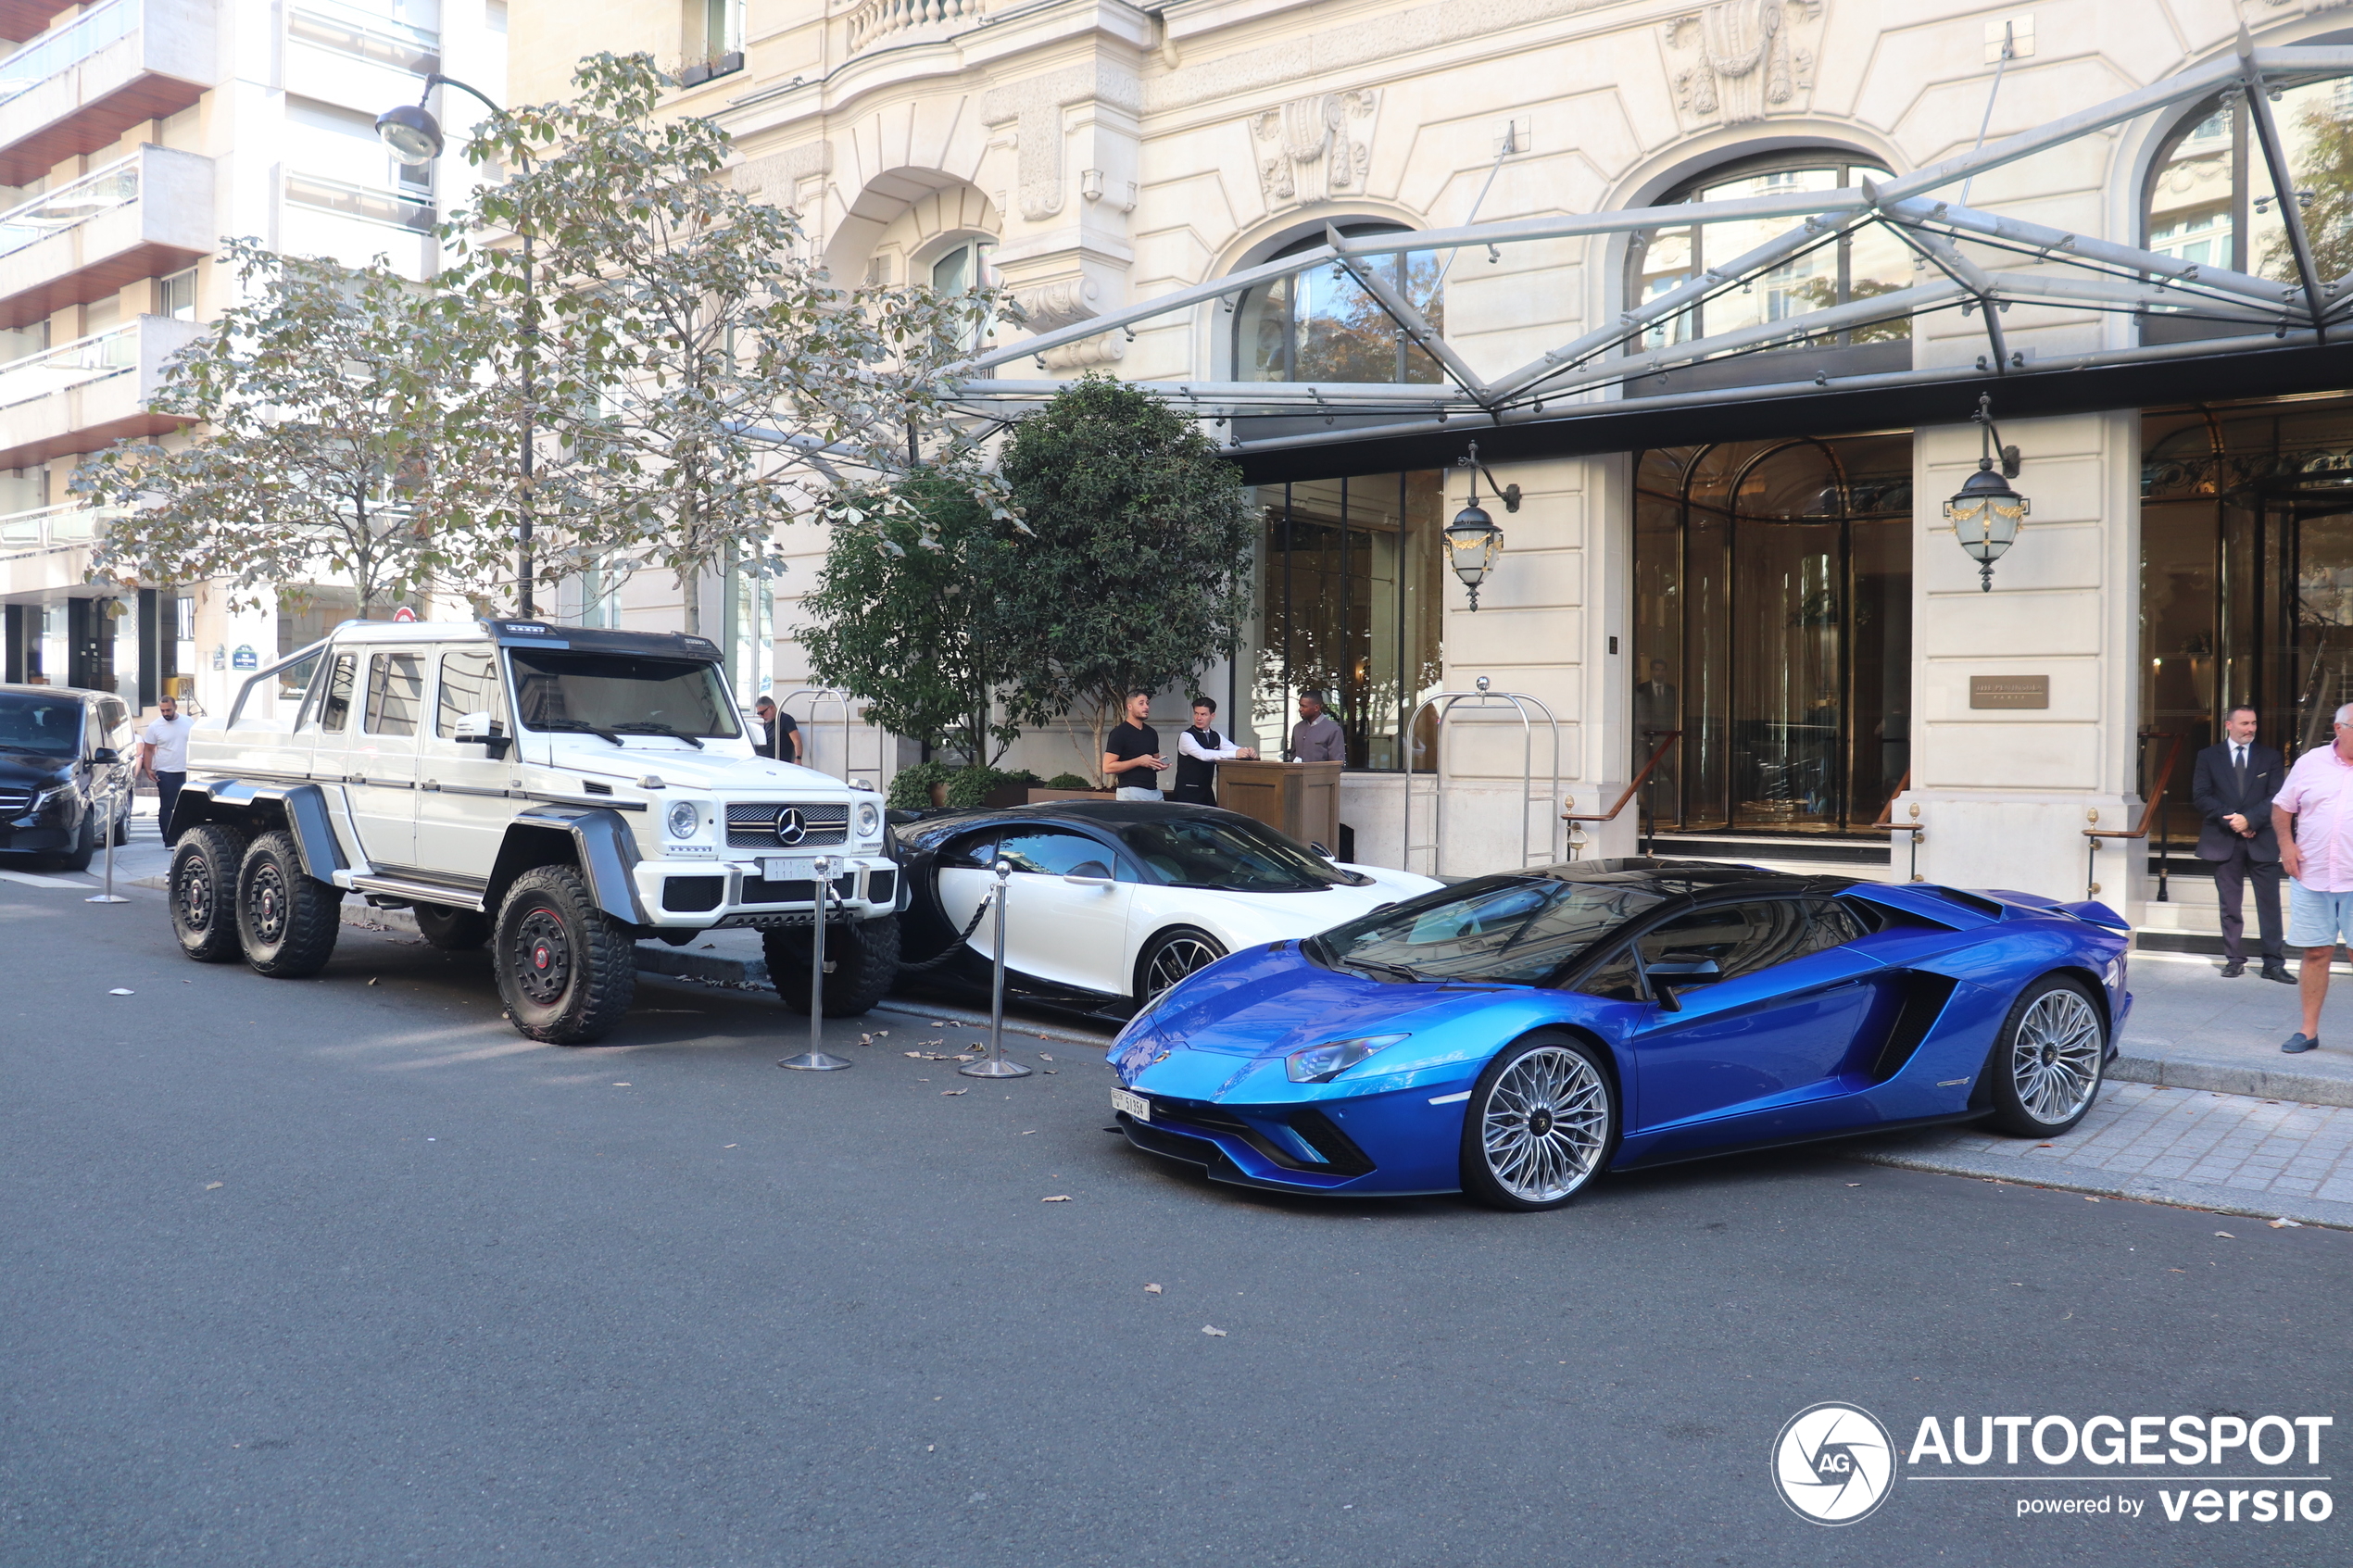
[790, 829]
[1834, 1463]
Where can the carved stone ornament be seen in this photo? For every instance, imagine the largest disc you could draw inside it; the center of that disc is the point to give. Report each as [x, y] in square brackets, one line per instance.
[1740, 60]
[1065, 302]
[1105, 349]
[1311, 149]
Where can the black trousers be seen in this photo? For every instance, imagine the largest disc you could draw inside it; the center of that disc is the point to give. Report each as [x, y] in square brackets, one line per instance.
[2231, 877]
[167, 794]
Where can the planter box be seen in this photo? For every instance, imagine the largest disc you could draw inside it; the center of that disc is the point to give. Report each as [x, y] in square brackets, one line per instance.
[996, 799]
[1037, 797]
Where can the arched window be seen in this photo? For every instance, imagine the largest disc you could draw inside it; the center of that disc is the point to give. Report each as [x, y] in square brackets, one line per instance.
[1853, 266]
[2210, 199]
[1321, 325]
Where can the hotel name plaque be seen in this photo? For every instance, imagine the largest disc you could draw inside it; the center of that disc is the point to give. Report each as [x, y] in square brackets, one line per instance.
[2009, 691]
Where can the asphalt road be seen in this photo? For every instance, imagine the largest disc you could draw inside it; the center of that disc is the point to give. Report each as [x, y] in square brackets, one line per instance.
[343, 1271]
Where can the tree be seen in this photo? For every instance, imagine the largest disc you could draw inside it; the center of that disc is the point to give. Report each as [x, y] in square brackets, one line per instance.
[2327, 173]
[1138, 575]
[334, 443]
[904, 617]
[700, 377]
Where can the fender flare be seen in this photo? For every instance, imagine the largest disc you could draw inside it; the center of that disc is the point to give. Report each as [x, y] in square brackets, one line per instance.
[302, 806]
[606, 852]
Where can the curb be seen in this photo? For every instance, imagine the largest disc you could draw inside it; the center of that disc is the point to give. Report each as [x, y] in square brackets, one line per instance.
[2178, 1194]
[2231, 1078]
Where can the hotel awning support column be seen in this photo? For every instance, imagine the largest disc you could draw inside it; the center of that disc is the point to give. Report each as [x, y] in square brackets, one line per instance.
[2267, 131]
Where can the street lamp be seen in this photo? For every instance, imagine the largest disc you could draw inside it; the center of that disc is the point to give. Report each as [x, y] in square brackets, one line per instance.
[1472, 539]
[1986, 514]
[414, 137]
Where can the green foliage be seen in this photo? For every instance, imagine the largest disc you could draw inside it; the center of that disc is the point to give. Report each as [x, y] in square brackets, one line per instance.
[667, 325]
[1138, 572]
[336, 442]
[911, 787]
[2327, 172]
[902, 615]
[1067, 781]
[969, 788]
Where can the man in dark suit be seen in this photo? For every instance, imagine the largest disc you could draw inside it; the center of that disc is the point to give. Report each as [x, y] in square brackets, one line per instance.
[2232, 791]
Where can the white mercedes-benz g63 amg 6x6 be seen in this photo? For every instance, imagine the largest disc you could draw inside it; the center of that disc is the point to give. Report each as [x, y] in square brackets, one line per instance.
[555, 792]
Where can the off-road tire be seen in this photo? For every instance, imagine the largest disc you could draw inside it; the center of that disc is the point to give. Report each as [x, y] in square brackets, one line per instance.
[203, 889]
[287, 919]
[566, 972]
[2049, 1059]
[861, 964]
[85, 843]
[452, 931]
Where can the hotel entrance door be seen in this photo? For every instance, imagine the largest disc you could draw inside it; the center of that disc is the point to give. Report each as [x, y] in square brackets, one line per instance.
[1773, 598]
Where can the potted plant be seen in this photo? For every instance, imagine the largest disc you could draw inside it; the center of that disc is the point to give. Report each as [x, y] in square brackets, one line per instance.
[1067, 786]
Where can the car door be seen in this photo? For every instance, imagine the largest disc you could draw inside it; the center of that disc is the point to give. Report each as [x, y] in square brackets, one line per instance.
[1066, 933]
[458, 829]
[1780, 1026]
[379, 767]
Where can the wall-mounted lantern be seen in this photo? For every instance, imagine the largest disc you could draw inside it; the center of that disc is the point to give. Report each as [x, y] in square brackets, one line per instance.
[1986, 514]
[1472, 539]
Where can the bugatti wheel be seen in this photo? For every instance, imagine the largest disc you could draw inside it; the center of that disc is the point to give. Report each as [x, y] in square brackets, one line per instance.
[1539, 1124]
[1172, 956]
[2048, 1060]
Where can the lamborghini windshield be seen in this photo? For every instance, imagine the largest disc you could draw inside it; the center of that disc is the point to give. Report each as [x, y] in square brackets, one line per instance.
[621, 694]
[1518, 931]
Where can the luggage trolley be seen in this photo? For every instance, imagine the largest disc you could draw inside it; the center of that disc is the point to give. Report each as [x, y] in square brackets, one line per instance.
[1445, 703]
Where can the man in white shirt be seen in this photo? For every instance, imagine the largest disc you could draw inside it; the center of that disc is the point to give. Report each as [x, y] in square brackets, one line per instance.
[1198, 750]
[163, 755]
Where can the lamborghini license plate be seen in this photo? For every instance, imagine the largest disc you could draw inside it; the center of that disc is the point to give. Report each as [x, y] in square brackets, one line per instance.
[1135, 1105]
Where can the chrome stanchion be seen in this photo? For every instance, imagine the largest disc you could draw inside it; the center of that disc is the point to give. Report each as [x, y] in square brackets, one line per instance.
[814, 1059]
[114, 788]
[994, 1064]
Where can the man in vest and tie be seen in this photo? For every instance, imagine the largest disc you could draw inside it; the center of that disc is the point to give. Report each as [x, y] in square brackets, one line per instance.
[2232, 792]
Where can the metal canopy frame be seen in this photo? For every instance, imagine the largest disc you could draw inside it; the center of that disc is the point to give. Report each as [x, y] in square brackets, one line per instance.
[1445, 703]
[1592, 373]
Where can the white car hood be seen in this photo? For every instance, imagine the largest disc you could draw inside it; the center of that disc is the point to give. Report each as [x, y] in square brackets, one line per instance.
[1270, 917]
[681, 766]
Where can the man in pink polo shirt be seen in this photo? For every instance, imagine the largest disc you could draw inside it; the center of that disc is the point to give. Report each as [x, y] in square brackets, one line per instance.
[2313, 815]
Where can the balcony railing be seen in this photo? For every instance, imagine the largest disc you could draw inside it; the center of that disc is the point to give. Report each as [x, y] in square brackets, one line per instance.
[70, 205]
[63, 47]
[55, 528]
[85, 359]
[876, 20]
[364, 35]
[375, 205]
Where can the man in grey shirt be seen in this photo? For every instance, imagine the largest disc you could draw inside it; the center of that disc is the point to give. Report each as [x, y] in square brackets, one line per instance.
[1317, 736]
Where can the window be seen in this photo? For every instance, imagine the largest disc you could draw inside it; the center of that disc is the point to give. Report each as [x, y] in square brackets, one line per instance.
[1745, 938]
[1312, 326]
[974, 852]
[1230, 853]
[2210, 199]
[1514, 930]
[713, 33]
[332, 709]
[469, 685]
[45, 726]
[1055, 852]
[958, 271]
[1615, 977]
[1853, 266]
[613, 694]
[395, 691]
[176, 296]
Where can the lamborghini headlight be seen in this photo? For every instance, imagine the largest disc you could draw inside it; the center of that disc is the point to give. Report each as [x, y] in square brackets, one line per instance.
[684, 818]
[1320, 1064]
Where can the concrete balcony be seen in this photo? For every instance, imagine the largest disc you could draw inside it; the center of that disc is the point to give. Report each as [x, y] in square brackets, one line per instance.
[44, 551]
[23, 18]
[88, 394]
[142, 217]
[78, 87]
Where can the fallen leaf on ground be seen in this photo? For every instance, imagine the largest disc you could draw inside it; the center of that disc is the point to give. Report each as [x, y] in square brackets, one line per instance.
[2284, 1223]
[1046, 1070]
[1152, 1290]
[123, 991]
[731, 1145]
[1213, 1332]
[624, 1085]
[1043, 1056]
[1854, 1184]
[939, 1023]
[210, 1186]
[371, 980]
[917, 1055]
[866, 1039]
[1032, 1133]
[2226, 1236]
[2090, 1201]
[1058, 1198]
[955, 1091]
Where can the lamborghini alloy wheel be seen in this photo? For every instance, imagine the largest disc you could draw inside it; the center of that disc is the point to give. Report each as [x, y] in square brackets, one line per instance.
[2047, 1061]
[1538, 1125]
[1172, 956]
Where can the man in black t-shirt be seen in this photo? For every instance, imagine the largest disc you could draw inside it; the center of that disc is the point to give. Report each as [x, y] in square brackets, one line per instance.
[1131, 753]
[782, 739]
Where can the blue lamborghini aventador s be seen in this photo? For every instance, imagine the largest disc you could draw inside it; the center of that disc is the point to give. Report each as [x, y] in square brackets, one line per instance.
[1515, 1036]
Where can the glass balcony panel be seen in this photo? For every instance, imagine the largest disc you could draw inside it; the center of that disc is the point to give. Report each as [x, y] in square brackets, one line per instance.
[67, 365]
[365, 36]
[376, 205]
[69, 206]
[63, 47]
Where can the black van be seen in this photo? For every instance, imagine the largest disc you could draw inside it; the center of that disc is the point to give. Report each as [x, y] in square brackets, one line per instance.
[61, 749]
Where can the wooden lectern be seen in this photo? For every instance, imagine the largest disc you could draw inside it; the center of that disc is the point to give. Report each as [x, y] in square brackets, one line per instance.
[1298, 798]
